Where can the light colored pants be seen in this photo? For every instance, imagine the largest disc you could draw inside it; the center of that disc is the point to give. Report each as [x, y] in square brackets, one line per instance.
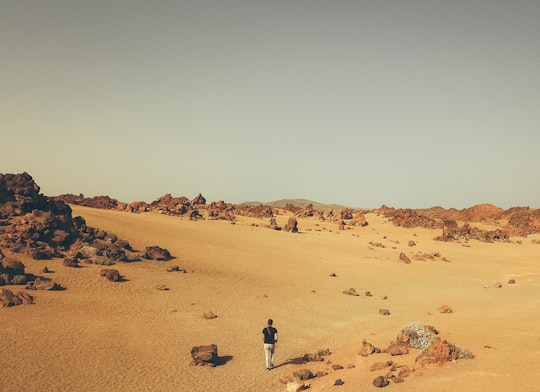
[269, 355]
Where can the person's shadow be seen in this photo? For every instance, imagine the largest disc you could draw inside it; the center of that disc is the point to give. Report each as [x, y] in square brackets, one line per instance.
[292, 361]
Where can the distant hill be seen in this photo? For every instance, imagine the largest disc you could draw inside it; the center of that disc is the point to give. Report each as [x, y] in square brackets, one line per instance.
[298, 203]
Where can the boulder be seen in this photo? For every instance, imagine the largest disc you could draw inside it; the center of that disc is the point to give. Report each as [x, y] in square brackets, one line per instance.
[380, 382]
[292, 225]
[205, 355]
[367, 349]
[157, 253]
[7, 298]
[112, 274]
[303, 374]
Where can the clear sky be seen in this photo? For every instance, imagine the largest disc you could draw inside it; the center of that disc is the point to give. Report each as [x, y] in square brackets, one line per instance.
[363, 103]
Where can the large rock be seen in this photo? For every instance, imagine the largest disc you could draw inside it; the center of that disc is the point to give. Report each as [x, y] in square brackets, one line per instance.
[157, 253]
[292, 225]
[205, 355]
[112, 274]
[7, 298]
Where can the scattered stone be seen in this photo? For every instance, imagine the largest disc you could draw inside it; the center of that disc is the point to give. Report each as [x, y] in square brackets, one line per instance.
[498, 285]
[445, 309]
[303, 375]
[412, 243]
[45, 270]
[43, 284]
[351, 366]
[367, 349]
[176, 268]
[511, 281]
[351, 291]
[368, 294]
[338, 382]
[317, 357]
[384, 312]
[112, 274]
[295, 386]
[403, 257]
[380, 382]
[380, 365]
[209, 315]
[337, 366]
[333, 275]
[205, 355]
[161, 287]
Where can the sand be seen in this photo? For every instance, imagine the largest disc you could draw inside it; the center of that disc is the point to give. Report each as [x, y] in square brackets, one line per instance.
[128, 336]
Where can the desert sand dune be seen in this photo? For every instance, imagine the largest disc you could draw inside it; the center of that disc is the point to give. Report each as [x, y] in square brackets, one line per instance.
[128, 336]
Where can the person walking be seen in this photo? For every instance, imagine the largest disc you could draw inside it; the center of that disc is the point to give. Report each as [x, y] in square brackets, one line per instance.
[270, 339]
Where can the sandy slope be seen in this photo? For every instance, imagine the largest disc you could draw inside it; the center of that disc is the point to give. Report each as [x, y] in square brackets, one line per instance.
[104, 336]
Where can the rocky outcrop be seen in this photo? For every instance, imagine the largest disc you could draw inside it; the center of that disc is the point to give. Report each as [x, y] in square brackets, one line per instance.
[8, 298]
[44, 228]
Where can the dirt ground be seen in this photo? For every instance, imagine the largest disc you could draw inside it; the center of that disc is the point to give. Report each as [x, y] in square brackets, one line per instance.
[128, 336]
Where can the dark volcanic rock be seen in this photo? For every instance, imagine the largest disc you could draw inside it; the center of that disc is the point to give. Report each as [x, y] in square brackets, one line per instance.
[157, 253]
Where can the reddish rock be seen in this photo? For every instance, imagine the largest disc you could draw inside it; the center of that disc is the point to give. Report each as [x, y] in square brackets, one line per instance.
[112, 274]
[380, 382]
[7, 298]
[209, 315]
[367, 349]
[303, 374]
[404, 258]
[291, 226]
[445, 309]
[157, 253]
[351, 291]
[205, 355]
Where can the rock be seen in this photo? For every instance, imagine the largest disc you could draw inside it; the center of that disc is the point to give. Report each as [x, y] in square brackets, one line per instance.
[412, 243]
[19, 279]
[441, 351]
[291, 226]
[445, 309]
[157, 253]
[498, 285]
[11, 266]
[337, 366]
[367, 349]
[511, 281]
[351, 291]
[303, 375]
[161, 287]
[296, 386]
[209, 315]
[380, 382]
[205, 355]
[338, 382]
[43, 284]
[403, 257]
[7, 298]
[380, 365]
[112, 274]
[384, 312]
[71, 262]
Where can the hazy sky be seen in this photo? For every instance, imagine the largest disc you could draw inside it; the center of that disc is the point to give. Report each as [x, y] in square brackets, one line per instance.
[363, 103]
